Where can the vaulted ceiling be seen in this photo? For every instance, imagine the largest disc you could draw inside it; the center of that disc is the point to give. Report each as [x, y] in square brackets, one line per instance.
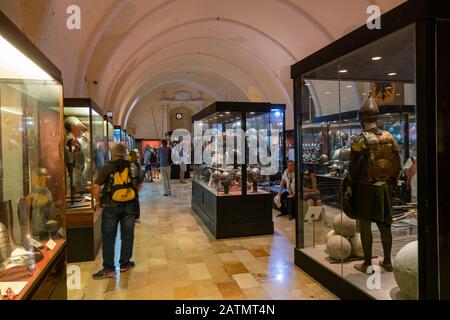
[229, 49]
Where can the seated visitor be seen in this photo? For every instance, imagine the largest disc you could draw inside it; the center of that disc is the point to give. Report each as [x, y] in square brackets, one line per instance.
[311, 193]
[287, 197]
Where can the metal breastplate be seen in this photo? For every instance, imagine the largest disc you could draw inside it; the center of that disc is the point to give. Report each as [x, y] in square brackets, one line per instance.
[383, 162]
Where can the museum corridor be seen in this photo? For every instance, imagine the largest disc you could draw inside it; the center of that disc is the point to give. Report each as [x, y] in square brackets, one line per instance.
[298, 150]
[178, 258]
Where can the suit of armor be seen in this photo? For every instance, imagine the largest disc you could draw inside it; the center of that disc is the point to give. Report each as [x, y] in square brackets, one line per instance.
[373, 172]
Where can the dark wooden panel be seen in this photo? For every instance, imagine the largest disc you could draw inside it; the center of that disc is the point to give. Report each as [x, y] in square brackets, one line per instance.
[443, 155]
[77, 218]
[55, 279]
[80, 244]
[233, 216]
[83, 243]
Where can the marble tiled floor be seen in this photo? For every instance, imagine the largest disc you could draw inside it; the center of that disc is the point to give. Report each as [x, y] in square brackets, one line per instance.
[177, 258]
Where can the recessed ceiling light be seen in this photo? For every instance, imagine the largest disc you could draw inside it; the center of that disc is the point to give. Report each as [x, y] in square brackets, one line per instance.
[392, 74]
[349, 86]
[328, 92]
[343, 71]
[376, 58]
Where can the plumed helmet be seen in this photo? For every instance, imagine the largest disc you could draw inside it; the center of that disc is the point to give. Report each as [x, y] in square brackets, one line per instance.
[369, 110]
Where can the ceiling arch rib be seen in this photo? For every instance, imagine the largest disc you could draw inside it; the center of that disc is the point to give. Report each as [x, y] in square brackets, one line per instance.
[199, 82]
[272, 53]
[262, 20]
[180, 70]
[261, 67]
[181, 57]
[160, 87]
[91, 44]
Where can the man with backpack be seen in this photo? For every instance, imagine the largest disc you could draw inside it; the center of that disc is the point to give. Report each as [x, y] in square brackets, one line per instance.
[120, 184]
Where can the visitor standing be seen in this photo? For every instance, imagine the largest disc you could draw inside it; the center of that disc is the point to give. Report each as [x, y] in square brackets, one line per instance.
[164, 165]
[119, 190]
[148, 164]
[183, 160]
[154, 163]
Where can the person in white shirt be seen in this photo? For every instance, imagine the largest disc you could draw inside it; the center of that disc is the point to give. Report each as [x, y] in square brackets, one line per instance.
[410, 169]
[288, 196]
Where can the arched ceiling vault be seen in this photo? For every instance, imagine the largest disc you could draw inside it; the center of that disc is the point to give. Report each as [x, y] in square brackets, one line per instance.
[234, 49]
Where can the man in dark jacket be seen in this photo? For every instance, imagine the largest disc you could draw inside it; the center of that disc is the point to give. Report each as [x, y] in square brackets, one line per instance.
[115, 212]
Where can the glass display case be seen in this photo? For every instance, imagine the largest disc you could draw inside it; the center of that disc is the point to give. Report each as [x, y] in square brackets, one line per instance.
[129, 141]
[222, 172]
[85, 149]
[239, 147]
[85, 153]
[32, 216]
[117, 134]
[109, 136]
[366, 177]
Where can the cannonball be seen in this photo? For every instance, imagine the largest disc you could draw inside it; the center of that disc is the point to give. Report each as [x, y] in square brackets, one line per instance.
[330, 234]
[344, 226]
[357, 249]
[339, 248]
[406, 270]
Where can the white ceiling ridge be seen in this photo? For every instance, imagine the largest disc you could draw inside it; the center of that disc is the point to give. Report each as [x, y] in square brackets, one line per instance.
[272, 74]
[149, 42]
[237, 71]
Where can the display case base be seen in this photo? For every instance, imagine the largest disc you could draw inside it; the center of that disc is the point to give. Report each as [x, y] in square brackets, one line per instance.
[233, 216]
[84, 235]
[175, 172]
[51, 283]
[329, 279]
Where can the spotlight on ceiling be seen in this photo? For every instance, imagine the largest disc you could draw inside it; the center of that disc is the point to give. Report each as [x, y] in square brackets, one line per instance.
[391, 74]
[343, 71]
[376, 58]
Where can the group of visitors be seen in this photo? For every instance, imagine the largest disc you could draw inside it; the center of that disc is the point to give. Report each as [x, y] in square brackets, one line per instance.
[151, 164]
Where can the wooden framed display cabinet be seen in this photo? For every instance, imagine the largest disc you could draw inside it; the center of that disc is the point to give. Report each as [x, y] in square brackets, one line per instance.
[32, 187]
[89, 154]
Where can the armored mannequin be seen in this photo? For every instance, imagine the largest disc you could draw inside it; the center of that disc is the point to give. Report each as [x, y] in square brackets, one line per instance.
[74, 156]
[373, 172]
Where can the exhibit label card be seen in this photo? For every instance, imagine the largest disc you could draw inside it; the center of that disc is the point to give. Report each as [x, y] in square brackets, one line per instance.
[51, 244]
